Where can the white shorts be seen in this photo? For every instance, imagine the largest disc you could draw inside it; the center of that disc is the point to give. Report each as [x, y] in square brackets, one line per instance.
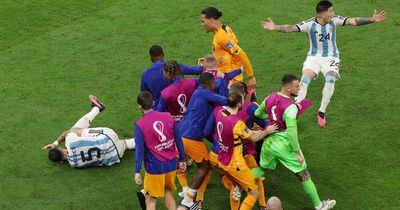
[93, 132]
[322, 64]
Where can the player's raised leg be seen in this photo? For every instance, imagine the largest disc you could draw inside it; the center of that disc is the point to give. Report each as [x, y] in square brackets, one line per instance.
[307, 76]
[86, 120]
[327, 92]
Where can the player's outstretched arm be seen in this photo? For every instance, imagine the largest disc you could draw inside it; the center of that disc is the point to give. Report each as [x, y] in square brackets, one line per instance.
[270, 25]
[60, 139]
[359, 21]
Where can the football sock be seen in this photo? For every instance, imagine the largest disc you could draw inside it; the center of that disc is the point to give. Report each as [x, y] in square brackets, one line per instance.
[305, 81]
[327, 93]
[311, 191]
[203, 186]
[189, 196]
[182, 179]
[257, 172]
[261, 197]
[234, 204]
[87, 119]
[130, 143]
[248, 202]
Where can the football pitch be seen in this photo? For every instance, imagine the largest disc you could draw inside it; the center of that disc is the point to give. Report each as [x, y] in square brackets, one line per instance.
[53, 54]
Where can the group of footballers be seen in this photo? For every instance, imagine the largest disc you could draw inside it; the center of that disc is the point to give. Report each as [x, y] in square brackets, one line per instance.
[180, 113]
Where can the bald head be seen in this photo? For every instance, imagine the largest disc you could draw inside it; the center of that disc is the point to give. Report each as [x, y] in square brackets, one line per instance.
[274, 203]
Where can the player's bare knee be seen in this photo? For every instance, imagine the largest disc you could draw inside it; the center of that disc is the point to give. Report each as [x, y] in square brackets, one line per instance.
[309, 73]
[204, 165]
[303, 175]
[254, 193]
[331, 77]
[77, 131]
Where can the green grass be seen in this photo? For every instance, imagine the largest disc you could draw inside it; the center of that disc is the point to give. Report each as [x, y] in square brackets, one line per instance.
[54, 53]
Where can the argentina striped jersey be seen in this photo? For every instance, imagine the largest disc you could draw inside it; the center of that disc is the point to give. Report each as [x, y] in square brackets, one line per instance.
[90, 151]
[322, 38]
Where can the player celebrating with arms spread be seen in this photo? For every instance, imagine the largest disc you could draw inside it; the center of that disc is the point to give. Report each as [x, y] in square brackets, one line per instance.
[323, 55]
[225, 46]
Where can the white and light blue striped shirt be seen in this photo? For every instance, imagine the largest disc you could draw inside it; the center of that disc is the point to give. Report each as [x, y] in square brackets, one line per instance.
[85, 152]
[322, 37]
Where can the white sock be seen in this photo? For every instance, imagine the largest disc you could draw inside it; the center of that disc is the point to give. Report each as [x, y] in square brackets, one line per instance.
[184, 189]
[87, 119]
[327, 93]
[130, 143]
[305, 81]
[186, 200]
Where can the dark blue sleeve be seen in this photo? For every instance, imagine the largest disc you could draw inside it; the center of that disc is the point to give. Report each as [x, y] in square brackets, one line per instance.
[196, 82]
[232, 74]
[161, 106]
[143, 86]
[139, 149]
[209, 128]
[215, 98]
[251, 110]
[179, 143]
[193, 70]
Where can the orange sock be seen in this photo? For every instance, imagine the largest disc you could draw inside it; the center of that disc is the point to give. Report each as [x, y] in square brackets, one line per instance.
[248, 202]
[182, 179]
[261, 197]
[202, 188]
[234, 204]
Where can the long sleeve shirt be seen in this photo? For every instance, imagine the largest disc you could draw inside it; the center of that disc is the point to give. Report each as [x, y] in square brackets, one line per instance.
[151, 163]
[153, 78]
[199, 109]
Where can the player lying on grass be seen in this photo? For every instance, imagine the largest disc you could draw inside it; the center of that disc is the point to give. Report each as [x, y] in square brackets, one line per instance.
[323, 55]
[283, 146]
[86, 147]
[158, 143]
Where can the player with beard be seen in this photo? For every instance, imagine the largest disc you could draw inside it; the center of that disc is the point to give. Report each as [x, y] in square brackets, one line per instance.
[283, 146]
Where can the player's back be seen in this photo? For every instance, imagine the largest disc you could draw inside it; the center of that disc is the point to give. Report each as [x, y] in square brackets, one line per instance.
[196, 115]
[153, 80]
[85, 152]
[177, 97]
[227, 128]
[275, 106]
